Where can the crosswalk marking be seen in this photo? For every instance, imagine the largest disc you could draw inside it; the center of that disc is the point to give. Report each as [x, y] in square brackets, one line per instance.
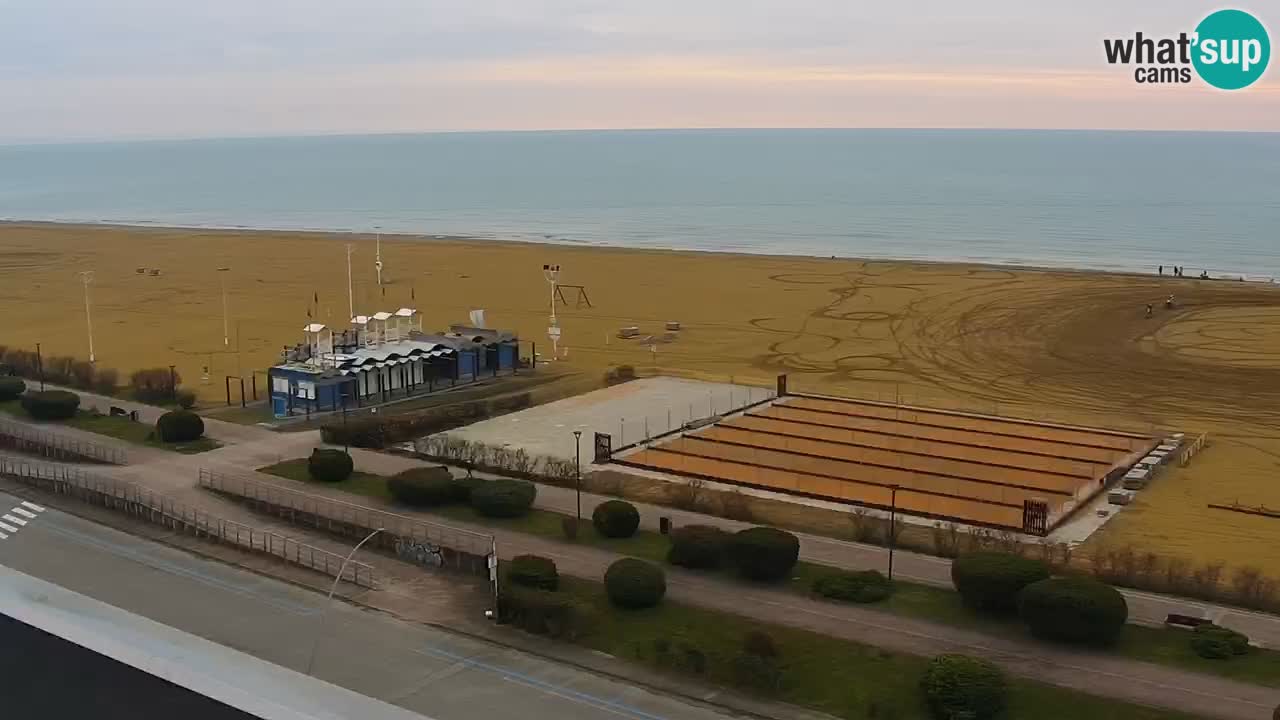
[3, 536]
[15, 520]
[10, 528]
[33, 506]
[24, 512]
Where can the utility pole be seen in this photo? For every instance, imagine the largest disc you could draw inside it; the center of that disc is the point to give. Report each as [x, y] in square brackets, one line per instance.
[577, 469]
[87, 277]
[377, 258]
[893, 521]
[552, 275]
[226, 335]
[351, 302]
[40, 366]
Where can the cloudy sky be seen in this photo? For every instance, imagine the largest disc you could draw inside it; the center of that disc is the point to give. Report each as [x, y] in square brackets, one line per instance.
[87, 69]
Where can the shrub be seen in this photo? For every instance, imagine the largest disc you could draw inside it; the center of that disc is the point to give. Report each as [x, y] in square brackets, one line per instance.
[51, 404]
[632, 583]
[11, 387]
[503, 498]
[759, 643]
[426, 487]
[991, 581]
[82, 374]
[700, 547]
[569, 526]
[861, 587]
[1217, 643]
[763, 553]
[534, 571]
[958, 686]
[186, 399]
[104, 381]
[616, 519]
[178, 426]
[328, 465]
[544, 612]
[756, 672]
[1073, 609]
[154, 385]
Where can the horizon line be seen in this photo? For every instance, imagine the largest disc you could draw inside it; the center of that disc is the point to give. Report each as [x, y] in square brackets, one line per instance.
[552, 131]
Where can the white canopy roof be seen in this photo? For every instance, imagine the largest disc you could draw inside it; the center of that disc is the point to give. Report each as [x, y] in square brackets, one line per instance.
[382, 316]
[313, 328]
[406, 312]
[360, 320]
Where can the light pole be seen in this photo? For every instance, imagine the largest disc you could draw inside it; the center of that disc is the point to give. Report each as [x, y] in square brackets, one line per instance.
[377, 257]
[552, 275]
[87, 277]
[351, 302]
[226, 335]
[329, 600]
[173, 383]
[577, 469]
[40, 366]
[893, 521]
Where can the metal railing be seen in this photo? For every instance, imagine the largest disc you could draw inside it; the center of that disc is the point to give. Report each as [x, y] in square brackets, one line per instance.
[338, 516]
[26, 439]
[161, 510]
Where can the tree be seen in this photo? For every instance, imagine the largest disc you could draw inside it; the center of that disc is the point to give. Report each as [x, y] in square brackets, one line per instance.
[1073, 609]
[534, 571]
[632, 583]
[178, 426]
[701, 547]
[958, 686]
[328, 465]
[990, 581]
[764, 553]
[616, 519]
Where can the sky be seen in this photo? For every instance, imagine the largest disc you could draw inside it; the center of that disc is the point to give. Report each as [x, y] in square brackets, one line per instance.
[127, 69]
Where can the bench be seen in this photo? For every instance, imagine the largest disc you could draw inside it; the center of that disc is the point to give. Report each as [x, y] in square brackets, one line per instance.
[1189, 622]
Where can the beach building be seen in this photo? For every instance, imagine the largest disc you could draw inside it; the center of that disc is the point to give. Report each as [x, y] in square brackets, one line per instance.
[383, 357]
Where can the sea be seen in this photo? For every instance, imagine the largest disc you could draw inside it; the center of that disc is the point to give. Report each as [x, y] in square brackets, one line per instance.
[1119, 201]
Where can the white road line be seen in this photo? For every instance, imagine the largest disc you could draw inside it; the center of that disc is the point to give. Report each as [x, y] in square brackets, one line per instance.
[33, 506]
[3, 536]
[25, 513]
[10, 528]
[15, 521]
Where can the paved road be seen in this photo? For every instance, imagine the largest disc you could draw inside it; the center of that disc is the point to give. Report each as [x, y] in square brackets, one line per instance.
[416, 667]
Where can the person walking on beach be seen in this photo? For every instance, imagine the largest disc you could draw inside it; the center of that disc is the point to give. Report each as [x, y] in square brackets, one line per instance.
[1168, 303]
[1148, 309]
[1161, 271]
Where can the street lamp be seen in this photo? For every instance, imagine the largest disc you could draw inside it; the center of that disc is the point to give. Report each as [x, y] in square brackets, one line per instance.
[87, 277]
[893, 521]
[173, 383]
[577, 469]
[329, 600]
[226, 336]
[40, 366]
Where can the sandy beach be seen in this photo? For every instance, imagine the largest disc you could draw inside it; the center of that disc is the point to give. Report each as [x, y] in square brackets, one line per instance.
[1037, 343]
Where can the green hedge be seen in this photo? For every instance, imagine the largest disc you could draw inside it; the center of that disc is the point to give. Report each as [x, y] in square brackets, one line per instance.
[958, 686]
[616, 519]
[1215, 642]
[503, 498]
[379, 432]
[11, 387]
[328, 465]
[544, 612]
[426, 487]
[1073, 609]
[861, 587]
[51, 404]
[534, 571]
[179, 426]
[701, 547]
[763, 553]
[990, 581]
[632, 583]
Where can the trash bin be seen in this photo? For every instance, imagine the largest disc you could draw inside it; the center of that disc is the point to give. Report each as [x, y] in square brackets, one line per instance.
[664, 525]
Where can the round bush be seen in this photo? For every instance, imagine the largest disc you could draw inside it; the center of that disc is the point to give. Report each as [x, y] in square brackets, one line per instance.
[51, 404]
[616, 519]
[990, 581]
[503, 498]
[186, 399]
[534, 571]
[1073, 609]
[1215, 642]
[957, 686]
[11, 387]
[701, 547]
[632, 583]
[426, 487]
[179, 426]
[860, 587]
[763, 553]
[329, 465]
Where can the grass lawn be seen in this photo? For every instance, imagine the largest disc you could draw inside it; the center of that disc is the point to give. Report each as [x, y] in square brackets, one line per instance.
[1155, 645]
[252, 414]
[121, 428]
[831, 675]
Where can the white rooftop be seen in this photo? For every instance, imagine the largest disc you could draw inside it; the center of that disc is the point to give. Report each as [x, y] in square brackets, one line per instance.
[360, 320]
[382, 316]
[406, 312]
[313, 328]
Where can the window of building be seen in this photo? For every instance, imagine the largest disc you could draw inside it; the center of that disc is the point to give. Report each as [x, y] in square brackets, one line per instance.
[306, 389]
[280, 384]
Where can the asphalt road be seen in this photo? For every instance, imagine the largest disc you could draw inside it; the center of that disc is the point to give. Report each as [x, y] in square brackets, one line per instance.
[419, 668]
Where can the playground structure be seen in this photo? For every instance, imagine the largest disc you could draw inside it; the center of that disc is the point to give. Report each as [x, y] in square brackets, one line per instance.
[940, 464]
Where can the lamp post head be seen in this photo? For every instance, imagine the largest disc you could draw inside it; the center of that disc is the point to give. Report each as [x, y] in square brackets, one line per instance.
[577, 433]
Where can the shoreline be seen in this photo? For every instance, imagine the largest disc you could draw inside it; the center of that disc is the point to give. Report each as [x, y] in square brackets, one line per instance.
[419, 238]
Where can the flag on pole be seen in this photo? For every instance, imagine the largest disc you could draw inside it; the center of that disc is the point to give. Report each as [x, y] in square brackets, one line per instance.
[316, 298]
[411, 297]
[384, 292]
